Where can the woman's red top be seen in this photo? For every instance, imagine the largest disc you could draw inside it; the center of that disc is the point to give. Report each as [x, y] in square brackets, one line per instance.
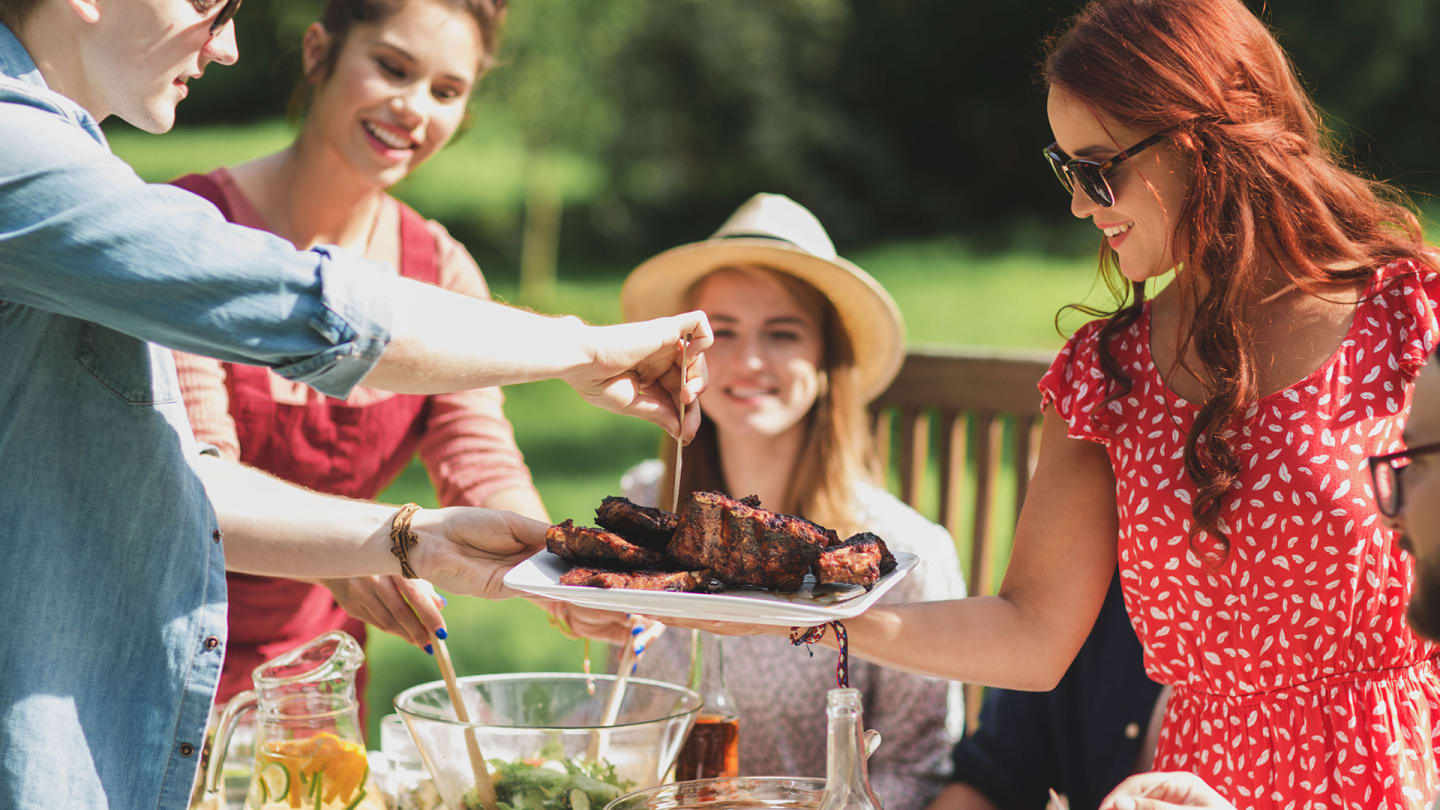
[353, 448]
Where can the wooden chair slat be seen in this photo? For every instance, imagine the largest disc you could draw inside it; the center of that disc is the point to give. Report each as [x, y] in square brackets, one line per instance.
[951, 428]
[880, 429]
[913, 437]
[986, 462]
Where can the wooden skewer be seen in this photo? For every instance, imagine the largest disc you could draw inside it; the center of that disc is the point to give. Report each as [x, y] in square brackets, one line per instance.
[599, 739]
[483, 786]
[680, 445]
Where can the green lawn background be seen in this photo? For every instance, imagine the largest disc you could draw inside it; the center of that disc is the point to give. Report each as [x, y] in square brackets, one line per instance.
[966, 290]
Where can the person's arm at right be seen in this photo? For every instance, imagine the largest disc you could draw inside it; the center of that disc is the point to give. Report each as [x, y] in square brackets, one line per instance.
[1026, 635]
[1060, 566]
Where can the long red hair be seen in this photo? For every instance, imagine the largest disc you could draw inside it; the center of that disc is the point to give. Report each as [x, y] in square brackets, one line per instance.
[1268, 191]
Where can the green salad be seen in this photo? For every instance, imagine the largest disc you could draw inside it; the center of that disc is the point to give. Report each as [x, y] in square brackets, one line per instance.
[536, 784]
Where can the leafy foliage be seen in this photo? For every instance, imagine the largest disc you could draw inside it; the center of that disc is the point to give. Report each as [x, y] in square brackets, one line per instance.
[897, 118]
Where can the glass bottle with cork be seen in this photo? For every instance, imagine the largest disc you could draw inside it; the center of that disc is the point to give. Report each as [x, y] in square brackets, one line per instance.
[847, 779]
[713, 747]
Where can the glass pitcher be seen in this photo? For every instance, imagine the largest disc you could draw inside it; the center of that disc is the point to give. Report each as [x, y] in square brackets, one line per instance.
[309, 752]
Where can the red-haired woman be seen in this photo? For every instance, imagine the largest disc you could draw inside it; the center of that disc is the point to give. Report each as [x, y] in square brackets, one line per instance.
[1214, 437]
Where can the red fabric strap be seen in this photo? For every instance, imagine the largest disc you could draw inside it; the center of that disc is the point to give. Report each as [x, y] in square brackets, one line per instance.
[204, 185]
[419, 256]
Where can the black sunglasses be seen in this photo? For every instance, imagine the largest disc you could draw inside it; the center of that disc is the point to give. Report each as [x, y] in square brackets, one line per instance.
[226, 15]
[1090, 174]
[1385, 477]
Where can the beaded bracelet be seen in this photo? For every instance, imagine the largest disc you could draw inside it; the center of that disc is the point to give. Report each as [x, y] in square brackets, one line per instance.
[402, 538]
[813, 635]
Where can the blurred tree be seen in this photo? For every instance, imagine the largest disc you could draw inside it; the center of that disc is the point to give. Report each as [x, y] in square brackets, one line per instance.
[1374, 70]
[259, 85]
[897, 117]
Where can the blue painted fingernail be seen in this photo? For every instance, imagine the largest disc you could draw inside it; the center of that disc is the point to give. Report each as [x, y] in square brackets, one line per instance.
[429, 650]
[639, 648]
[633, 668]
[443, 601]
[441, 634]
[636, 630]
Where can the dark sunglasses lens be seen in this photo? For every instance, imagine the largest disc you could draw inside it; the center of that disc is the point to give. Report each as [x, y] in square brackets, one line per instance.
[226, 15]
[1092, 182]
[1057, 165]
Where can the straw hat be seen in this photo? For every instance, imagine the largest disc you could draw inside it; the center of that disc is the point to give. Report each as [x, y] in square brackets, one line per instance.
[776, 232]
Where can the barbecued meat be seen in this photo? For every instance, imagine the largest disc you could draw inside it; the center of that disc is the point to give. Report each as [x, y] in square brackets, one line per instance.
[746, 545]
[578, 544]
[691, 581]
[644, 525]
[860, 560]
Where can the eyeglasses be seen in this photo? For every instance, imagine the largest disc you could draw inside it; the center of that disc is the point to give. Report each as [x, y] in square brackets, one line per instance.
[226, 15]
[1385, 477]
[1090, 174]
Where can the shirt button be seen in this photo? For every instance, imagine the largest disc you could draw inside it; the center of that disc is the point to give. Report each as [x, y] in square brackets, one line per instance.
[1132, 731]
[186, 749]
[215, 535]
[211, 643]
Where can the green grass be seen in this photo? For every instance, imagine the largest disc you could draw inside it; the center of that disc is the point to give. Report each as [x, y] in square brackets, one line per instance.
[954, 291]
[477, 182]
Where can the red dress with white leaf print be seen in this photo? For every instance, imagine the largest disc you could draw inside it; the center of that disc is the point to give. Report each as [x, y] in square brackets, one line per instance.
[1297, 681]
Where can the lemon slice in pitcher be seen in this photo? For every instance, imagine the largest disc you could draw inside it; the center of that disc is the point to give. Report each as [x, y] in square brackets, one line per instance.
[274, 782]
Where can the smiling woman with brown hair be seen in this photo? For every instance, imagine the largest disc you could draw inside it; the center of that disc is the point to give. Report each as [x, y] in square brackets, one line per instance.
[385, 86]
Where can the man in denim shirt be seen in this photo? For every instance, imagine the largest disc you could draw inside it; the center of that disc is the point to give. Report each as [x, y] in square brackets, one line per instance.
[112, 583]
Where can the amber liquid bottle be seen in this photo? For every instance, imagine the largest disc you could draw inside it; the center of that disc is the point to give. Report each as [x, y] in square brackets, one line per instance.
[713, 747]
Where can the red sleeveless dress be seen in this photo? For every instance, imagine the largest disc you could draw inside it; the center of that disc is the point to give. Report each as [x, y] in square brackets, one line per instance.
[1297, 683]
[323, 444]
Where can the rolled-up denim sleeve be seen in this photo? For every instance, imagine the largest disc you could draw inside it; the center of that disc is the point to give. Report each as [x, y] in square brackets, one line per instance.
[81, 235]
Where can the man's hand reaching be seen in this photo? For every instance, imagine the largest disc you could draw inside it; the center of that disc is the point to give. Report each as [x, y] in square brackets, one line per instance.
[636, 370]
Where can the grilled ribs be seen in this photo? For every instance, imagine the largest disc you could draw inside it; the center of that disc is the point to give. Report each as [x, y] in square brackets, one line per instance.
[582, 544]
[860, 560]
[741, 543]
[690, 581]
[643, 525]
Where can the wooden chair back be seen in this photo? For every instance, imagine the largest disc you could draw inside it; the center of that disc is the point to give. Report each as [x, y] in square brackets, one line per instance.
[952, 425]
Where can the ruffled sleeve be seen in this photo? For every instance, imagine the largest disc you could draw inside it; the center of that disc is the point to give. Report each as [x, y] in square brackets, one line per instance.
[1076, 386]
[1410, 291]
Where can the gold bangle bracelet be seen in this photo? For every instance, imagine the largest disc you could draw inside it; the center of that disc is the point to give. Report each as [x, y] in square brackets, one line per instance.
[402, 538]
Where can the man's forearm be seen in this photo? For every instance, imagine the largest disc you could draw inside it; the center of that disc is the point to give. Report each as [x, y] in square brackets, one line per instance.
[275, 528]
[442, 341]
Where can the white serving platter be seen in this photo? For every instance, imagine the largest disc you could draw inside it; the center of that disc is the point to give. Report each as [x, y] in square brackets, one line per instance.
[811, 605]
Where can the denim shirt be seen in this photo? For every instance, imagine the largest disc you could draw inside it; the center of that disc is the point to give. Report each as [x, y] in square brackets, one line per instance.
[112, 586]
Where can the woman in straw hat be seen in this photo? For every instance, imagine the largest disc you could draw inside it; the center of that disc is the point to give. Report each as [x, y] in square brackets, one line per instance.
[804, 340]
